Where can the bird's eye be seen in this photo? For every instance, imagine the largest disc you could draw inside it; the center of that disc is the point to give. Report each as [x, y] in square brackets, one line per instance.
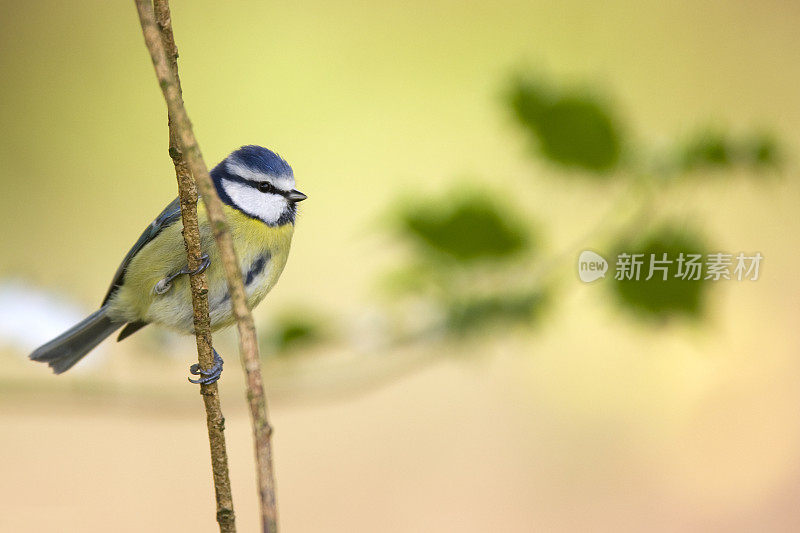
[265, 186]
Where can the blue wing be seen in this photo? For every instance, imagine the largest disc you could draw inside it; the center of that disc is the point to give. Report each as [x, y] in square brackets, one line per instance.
[167, 217]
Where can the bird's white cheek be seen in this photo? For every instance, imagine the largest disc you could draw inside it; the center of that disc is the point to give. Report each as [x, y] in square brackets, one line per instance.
[267, 207]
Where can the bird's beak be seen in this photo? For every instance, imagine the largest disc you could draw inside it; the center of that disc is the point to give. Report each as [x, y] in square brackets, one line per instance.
[296, 196]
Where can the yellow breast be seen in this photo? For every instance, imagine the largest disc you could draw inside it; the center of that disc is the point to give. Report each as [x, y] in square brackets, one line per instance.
[262, 252]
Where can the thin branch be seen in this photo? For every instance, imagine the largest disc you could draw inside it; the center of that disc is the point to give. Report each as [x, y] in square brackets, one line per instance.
[248, 343]
[187, 191]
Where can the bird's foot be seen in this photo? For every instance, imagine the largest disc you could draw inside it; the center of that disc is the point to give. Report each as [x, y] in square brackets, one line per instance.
[166, 284]
[208, 376]
[204, 262]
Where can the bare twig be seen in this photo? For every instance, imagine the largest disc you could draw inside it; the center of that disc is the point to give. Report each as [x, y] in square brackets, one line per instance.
[248, 345]
[187, 191]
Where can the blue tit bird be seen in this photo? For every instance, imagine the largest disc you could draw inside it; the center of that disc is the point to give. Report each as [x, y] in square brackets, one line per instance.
[256, 187]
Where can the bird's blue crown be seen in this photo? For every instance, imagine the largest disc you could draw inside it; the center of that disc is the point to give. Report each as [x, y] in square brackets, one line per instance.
[260, 160]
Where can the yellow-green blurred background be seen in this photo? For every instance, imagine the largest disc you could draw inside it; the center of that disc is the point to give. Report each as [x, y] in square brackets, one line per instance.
[590, 421]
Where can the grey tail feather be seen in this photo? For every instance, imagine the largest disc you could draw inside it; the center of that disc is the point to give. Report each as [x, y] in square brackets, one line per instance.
[130, 329]
[68, 348]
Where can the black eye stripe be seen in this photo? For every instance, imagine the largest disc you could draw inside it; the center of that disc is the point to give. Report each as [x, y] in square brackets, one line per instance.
[263, 186]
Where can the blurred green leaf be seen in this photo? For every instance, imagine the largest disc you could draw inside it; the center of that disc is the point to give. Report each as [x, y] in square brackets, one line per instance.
[714, 149]
[708, 150]
[473, 315]
[574, 129]
[293, 330]
[656, 297]
[762, 150]
[466, 229]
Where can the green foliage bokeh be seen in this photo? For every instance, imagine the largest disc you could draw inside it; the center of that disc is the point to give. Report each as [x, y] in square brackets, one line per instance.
[658, 298]
[465, 229]
[571, 129]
